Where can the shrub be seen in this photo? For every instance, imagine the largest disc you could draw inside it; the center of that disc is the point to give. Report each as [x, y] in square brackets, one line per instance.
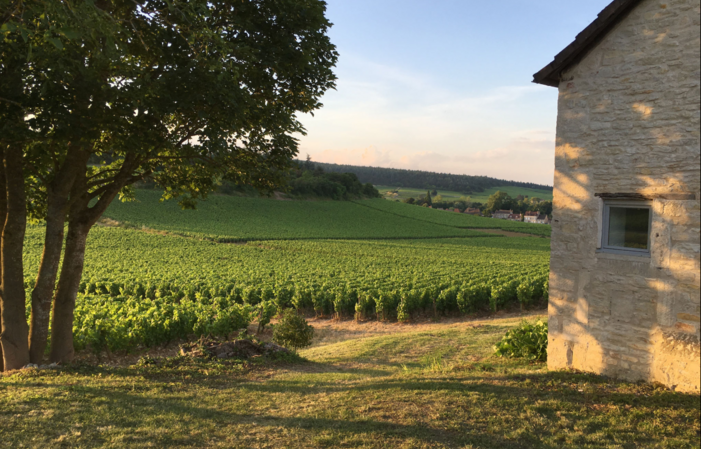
[546, 289]
[529, 340]
[344, 303]
[365, 306]
[266, 310]
[526, 292]
[447, 300]
[293, 331]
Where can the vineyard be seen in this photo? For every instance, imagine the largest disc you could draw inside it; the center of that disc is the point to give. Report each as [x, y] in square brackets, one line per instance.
[143, 289]
[452, 219]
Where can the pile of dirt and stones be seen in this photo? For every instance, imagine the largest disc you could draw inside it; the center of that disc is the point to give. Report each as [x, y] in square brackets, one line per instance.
[243, 348]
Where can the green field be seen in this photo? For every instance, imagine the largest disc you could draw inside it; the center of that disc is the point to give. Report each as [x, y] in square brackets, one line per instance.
[238, 219]
[453, 219]
[435, 388]
[230, 219]
[480, 197]
[146, 289]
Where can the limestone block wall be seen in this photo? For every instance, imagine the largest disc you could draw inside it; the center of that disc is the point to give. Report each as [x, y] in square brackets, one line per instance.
[628, 122]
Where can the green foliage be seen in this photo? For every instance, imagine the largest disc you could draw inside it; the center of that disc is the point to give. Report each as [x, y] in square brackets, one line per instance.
[293, 331]
[266, 311]
[146, 289]
[102, 322]
[309, 179]
[529, 340]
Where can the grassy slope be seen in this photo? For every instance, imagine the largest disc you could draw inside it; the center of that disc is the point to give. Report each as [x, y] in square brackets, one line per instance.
[447, 218]
[434, 389]
[229, 218]
[481, 197]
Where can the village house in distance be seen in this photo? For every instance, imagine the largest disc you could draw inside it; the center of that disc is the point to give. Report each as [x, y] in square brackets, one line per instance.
[624, 280]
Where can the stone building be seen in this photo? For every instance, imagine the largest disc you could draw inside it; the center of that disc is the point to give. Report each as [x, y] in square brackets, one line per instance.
[624, 280]
[542, 219]
[530, 217]
[502, 214]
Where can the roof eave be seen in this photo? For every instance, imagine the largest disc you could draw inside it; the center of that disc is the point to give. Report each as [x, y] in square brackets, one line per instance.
[587, 39]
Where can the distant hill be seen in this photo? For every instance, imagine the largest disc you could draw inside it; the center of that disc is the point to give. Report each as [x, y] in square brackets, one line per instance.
[426, 180]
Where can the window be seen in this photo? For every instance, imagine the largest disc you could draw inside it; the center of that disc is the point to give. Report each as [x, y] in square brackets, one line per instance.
[626, 227]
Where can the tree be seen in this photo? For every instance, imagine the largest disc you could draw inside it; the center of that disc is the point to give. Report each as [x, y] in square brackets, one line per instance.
[428, 199]
[96, 96]
[545, 207]
[497, 201]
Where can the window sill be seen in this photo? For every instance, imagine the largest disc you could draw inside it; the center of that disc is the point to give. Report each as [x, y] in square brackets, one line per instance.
[604, 254]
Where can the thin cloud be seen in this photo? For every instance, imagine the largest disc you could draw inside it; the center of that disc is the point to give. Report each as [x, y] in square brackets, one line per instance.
[386, 116]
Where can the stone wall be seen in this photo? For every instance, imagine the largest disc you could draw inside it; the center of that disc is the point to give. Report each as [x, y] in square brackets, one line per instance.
[629, 122]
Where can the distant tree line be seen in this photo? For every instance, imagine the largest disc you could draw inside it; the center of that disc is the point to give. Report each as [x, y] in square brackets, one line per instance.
[498, 201]
[310, 179]
[303, 180]
[427, 180]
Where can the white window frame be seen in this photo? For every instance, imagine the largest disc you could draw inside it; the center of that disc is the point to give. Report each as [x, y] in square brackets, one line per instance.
[632, 204]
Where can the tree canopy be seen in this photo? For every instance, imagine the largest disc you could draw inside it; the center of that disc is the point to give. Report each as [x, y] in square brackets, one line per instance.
[97, 95]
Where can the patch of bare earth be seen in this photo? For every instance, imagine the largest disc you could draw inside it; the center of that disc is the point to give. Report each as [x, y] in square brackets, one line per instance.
[329, 331]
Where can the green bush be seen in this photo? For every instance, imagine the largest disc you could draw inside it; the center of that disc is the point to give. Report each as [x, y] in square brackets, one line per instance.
[293, 331]
[526, 292]
[266, 310]
[529, 340]
[365, 307]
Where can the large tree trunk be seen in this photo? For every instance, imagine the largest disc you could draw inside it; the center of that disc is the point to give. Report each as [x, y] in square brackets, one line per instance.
[42, 294]
[14, 335]
[46, 281]
[66, 293]
[81, 219]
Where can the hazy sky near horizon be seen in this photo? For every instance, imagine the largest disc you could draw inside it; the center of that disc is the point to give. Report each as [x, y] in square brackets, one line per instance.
[445, 85]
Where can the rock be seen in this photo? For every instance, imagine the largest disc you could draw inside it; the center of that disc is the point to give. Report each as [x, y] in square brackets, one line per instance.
[30, 366]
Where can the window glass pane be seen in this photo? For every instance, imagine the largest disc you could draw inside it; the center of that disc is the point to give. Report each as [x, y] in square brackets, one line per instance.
[628, 227]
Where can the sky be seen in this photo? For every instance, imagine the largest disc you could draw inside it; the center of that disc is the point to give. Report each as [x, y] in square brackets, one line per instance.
[445, 85]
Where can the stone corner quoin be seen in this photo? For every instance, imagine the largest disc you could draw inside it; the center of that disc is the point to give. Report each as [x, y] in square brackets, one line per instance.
[628, 123]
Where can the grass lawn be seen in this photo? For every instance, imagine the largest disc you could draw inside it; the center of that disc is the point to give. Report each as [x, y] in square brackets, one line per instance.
[370, 385]
[481, 197]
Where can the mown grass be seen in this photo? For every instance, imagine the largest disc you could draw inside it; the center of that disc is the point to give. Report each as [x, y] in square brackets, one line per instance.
[415, 389]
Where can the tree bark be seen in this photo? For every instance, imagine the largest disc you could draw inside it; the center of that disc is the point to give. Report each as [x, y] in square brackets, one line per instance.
[66, 293]
[3, 218]
[81, 219]
[42, 294]
[14, 335]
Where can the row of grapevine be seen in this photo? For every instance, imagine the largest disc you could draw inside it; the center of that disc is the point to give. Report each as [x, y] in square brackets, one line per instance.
[142, 289]
[159, 314]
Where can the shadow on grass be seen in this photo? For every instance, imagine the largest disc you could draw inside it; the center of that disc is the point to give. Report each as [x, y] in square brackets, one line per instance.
[144, 418]
[129, 403]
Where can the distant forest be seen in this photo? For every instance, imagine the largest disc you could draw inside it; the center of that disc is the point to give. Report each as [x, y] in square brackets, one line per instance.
[426, 180]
